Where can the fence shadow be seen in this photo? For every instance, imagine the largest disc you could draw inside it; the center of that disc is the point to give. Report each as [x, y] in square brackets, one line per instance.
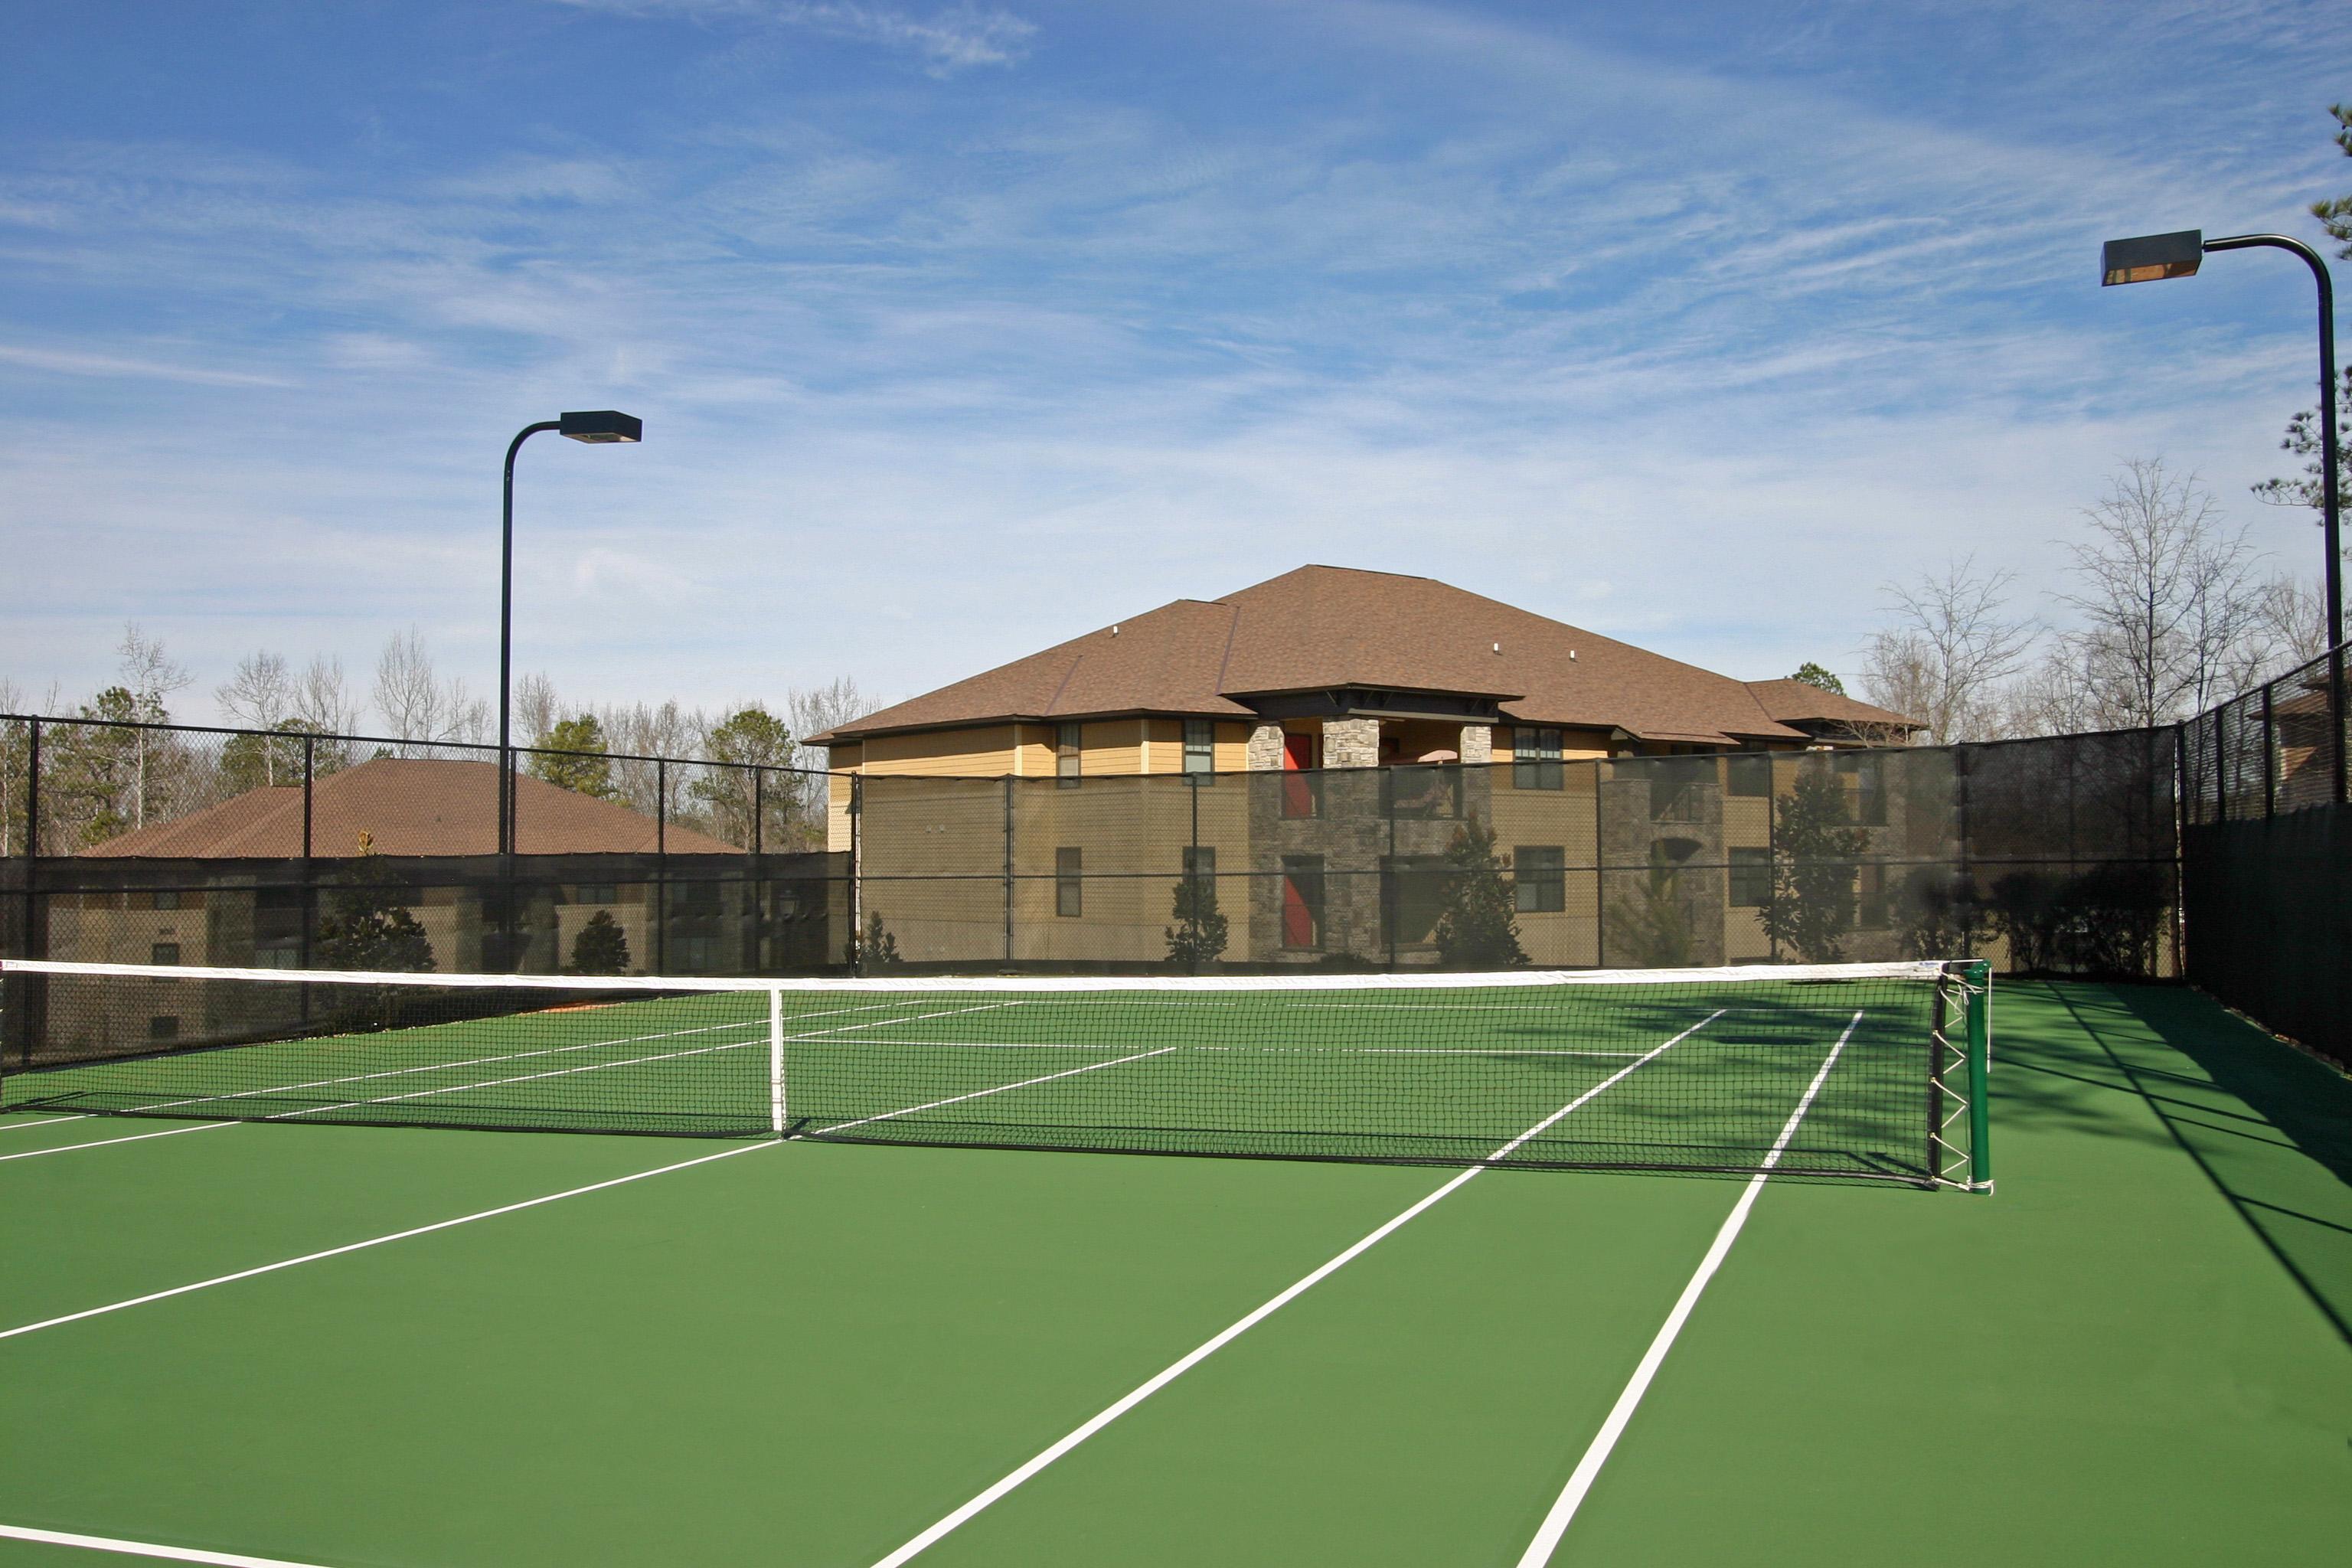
[2268, 1126]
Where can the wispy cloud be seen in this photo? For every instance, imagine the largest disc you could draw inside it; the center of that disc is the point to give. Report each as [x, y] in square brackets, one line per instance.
[69, 362]
[946, 41]
[1634, 331]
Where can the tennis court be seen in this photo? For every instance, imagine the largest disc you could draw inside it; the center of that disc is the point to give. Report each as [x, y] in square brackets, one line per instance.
[278, 1340]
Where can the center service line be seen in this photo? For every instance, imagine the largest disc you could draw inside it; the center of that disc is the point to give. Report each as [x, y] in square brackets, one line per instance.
[970, 1510]
[1555, 1525]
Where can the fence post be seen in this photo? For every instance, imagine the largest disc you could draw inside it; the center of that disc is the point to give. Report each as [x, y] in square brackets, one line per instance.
[1599, 865]
[306, 908]
[2221, 763]
[759, 807]
[2269, 749]
[661, 866]
[857, 873]
[32, 838]
[2335, 705]
[1008, 868]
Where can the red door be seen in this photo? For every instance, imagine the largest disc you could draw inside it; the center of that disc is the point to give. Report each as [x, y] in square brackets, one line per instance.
[1297, 790]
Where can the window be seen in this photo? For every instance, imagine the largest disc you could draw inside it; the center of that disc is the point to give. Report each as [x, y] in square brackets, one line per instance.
[693, 954]
[1870, 907]
[694, 897]
[1535, 759]
[1200, 863]
[595, 893]
[1413, 889]
[1200, 747]
[163, 952]
[1540, 883]
[1869, 775]
[1069, 883]
[1751, 878]
[1066, 755]
[1302, 900]
[164, 898]
[1749, 776]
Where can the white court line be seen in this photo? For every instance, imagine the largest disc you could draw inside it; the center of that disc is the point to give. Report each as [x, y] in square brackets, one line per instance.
[984, 1093]
[511, 1208]
[1145, 1390]
[482, 1061]
[376, 1240]
[104, 1142]
[11, 1125]
[1466, 1052]
[761, 1040]
[145, 1549]
[1548, 1534]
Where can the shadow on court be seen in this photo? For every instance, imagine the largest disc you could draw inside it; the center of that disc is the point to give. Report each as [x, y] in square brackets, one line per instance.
[2268, 1126]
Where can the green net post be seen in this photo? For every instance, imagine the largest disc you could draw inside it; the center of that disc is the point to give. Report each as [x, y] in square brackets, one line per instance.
[1978, 978]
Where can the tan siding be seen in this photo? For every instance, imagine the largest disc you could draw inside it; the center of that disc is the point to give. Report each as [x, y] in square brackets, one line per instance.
[1111, 746]
[1233, 748]
[984, 751]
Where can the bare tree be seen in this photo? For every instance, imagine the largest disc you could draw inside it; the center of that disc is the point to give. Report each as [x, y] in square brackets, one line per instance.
[259, 694]
[1943, 660]
[2172, 610]
[537, 709]
[150, 675]
[322, 701]
[815, 709]
[2053, 695]
[2292, 615]
[419, 709]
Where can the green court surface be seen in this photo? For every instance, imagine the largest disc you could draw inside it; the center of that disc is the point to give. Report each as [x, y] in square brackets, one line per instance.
[805, 1352]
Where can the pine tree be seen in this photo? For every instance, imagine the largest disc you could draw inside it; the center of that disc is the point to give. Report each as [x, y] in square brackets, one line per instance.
[366, 925]
[590, 773]
[1200, 933]
[602, 947]
[1478, 929]
[1814, 856]
[873, 949]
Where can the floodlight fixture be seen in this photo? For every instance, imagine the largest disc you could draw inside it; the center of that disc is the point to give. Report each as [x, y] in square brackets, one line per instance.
[2151, 257]
[601, 427]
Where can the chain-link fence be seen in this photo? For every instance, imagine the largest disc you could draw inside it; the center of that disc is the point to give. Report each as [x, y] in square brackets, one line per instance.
[2267, 854]
[159, 843]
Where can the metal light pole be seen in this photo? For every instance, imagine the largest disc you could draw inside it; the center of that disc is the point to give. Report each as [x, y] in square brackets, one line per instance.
[601, 427]
[2153, 256]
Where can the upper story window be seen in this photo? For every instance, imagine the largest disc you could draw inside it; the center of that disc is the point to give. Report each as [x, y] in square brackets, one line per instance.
[1869, 775]
[1535, 759]
[1748, 773]
[1201, 746]
[1066, 740]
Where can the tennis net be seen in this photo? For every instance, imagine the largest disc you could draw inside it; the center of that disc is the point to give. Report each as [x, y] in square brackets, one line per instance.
[1672, 1069]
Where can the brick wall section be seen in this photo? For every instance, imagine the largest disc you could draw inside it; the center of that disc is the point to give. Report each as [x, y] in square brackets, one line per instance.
[1478, 743]
[1351, 742]
[1265, 748]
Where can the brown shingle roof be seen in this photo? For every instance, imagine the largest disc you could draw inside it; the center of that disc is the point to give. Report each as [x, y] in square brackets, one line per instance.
[407, 806]
[1325, 627]
[1800, 701]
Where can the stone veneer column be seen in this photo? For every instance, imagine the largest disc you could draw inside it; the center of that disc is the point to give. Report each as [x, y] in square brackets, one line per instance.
[1478, 743]
[1351, 742]
[1265, 748]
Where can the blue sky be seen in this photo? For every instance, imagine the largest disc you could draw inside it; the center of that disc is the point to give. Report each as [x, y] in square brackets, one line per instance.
[961, 330]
